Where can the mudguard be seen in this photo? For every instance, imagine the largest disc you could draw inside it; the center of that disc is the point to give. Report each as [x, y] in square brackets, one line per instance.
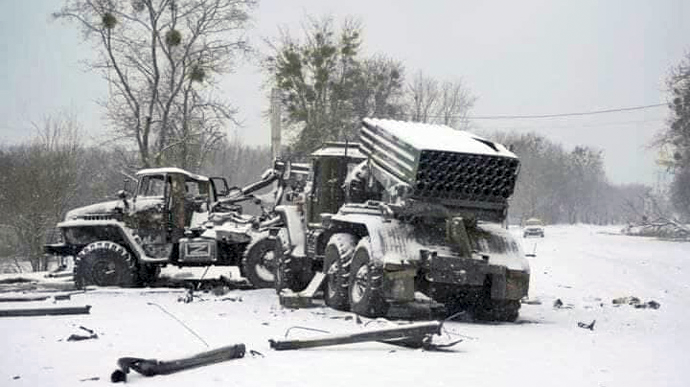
[295, 230]
[125, 233]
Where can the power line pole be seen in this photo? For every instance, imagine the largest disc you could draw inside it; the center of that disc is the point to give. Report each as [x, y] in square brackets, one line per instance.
[275, 123]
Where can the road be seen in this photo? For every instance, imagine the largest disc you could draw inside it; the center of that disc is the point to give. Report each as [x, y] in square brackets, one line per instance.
[584, 267]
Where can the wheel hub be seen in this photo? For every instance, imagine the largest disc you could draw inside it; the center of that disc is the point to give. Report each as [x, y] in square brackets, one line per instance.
[360, 284]
[267, 268]
[332, 278]
[104, 272]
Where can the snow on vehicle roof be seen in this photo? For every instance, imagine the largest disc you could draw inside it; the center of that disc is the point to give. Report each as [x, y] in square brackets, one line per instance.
[339, 149]
[159, 171]
[439, 137]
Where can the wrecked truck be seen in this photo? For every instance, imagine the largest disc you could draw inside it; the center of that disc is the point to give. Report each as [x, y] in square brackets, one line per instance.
[173, 217]
[412, 211]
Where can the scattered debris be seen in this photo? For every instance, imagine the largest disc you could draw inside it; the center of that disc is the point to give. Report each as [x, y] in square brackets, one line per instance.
[346, 318]
[626, 300]
[287, 332]
[62, 297]
[220, 290]
[23, 298]
[650, 304]
[589, 326]
[45, 311]
[30, 298]
[15, 280]
[413, 335]
[152, 367]
[303, 299]
[76, 337]
[533, 302]
[187, 297]
[635, 302]
[233, 299]
[63, 274]
[558, 304]
[256, 353]
[659, 228]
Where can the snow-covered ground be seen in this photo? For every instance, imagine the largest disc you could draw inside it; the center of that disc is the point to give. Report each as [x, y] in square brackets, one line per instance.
[585, 267]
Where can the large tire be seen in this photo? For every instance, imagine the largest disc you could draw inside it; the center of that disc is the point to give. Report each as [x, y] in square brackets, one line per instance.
[366, 283]
[259, 263]
[336, 267]
[105, 264]
[291, 273]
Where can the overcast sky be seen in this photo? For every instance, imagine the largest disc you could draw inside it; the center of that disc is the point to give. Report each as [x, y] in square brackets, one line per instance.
[518, 57]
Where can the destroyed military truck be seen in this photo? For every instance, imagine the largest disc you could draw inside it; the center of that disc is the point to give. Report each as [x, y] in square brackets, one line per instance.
[172, 217]
[414, 211]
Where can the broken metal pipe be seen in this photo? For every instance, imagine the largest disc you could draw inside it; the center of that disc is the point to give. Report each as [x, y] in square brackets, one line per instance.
[152, 367]
[407, 334]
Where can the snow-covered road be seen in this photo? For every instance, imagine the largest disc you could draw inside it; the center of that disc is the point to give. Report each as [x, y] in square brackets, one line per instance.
[583, 266]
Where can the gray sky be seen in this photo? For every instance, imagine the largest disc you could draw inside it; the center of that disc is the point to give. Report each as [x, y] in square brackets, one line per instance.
[517, 57]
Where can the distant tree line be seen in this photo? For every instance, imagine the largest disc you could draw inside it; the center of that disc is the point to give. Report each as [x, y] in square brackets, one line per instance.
[44, 178]
[569, 186]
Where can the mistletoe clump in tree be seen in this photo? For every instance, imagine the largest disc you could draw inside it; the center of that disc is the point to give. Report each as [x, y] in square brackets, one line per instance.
[161, 60]
[326, 87]
[677, 136]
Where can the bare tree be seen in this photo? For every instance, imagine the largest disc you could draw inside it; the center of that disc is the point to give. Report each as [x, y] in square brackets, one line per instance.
[240, 163]
[455, 101]
[437, 102]
[159, 57]
[423, 94]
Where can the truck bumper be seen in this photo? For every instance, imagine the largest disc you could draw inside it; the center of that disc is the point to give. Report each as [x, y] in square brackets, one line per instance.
[60, 249]
[466, 275]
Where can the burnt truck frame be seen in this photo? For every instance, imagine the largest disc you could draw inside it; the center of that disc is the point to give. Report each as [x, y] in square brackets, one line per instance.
[172, 217]
[395, 218]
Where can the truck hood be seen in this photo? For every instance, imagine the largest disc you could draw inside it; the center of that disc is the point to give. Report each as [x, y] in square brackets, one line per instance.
[97, 208]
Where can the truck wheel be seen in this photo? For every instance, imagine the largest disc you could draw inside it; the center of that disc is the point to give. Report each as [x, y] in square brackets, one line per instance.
[336, 266]
[259, 264]
[104, 264]
[366, 283]
[291, 273]
[497, 310]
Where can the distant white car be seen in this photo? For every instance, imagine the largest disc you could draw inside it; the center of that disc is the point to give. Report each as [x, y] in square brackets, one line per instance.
[533, 227]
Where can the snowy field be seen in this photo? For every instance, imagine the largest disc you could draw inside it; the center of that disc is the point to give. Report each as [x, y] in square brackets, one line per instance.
[585, 267]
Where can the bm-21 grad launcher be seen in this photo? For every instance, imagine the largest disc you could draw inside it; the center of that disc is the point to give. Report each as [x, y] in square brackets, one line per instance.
[420, 217]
